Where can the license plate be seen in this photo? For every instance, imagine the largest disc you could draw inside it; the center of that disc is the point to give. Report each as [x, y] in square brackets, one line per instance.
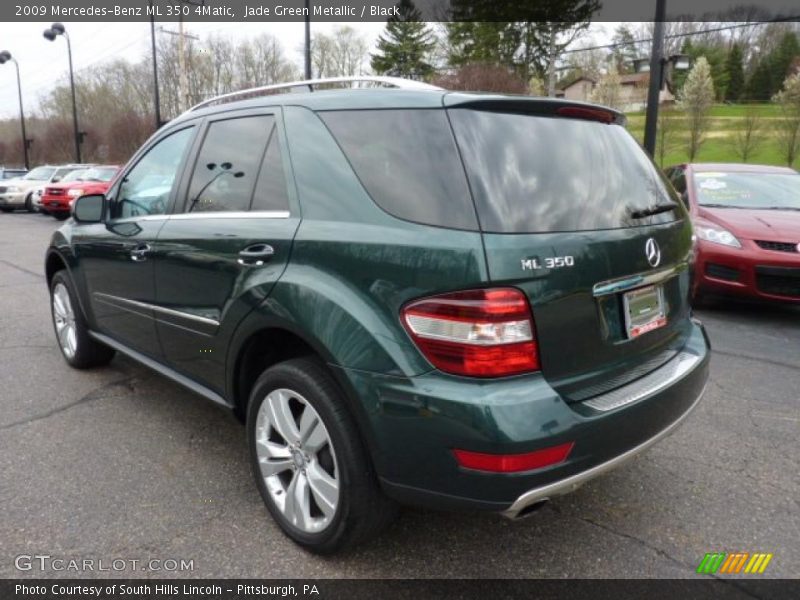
[644, 310]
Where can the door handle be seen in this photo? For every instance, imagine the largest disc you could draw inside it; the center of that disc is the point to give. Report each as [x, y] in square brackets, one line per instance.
[139, 253]
[255, 255]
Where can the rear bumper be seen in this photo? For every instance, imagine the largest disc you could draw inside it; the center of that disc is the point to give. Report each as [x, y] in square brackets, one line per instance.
[417, 422]
[747, 272]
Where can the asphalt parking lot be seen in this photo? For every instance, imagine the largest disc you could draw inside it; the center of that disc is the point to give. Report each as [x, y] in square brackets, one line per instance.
[122, 463]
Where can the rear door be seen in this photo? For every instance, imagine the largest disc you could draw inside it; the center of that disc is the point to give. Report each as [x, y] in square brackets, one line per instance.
[563, 206]
[227, 243]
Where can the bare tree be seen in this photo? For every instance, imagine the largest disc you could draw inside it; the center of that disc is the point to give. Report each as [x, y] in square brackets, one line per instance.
[608, 90]
[749, 136]
[789, 125]
[484, 78]
[665, 136]
[343, 53]
[695, 99]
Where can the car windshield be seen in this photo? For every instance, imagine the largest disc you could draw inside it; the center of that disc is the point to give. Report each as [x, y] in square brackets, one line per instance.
[99, 174]
[74, 176]
[773, 191]
[41, 173]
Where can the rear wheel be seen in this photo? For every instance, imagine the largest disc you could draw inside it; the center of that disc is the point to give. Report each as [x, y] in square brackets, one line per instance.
[308, 459]
[29, 203]
[72, 333]
[6, 210]
[61, 216]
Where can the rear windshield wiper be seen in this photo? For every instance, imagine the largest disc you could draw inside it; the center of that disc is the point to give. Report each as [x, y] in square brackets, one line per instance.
[656, 209]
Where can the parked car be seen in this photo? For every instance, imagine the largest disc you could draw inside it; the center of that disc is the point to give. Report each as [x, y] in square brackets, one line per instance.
[18, 193]
[747, 223]
[7, 173]
[58, 198]
[38, 193]
[455, 300]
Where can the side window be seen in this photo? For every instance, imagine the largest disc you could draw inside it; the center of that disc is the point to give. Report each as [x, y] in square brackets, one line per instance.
[408, 162]
[227, 167]
[270, 191]
[146, 188]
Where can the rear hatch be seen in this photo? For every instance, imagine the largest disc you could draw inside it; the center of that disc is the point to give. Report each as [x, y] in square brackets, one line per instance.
[564, 200]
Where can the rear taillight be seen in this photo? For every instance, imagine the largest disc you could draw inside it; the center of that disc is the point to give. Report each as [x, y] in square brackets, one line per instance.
[590, 114]
[480, 333]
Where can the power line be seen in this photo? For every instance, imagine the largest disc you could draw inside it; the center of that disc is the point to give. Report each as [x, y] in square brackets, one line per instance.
[685, 34]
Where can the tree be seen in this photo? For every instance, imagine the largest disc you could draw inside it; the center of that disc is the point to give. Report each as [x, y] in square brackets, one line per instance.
[405, 46]
[608, 90]
[665, 135]
[696, 99]
[340, 54]
[789, 125]
[749, 136]
[521, 36]
[625, 51]
[734, 67]
[484, 78]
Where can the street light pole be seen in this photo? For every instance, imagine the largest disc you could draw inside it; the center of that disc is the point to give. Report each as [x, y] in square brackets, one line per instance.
[55, 30]
[656, 78]
[308, 40]
[156, 97]
[5, 56]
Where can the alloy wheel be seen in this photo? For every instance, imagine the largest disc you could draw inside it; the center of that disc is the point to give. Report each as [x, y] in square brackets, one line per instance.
[297, 460]
[64, 317]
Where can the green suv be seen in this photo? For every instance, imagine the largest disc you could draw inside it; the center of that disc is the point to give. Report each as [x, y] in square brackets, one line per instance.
[409, 295]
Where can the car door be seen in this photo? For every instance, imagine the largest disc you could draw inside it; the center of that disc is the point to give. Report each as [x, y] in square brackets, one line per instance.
[221, 252]
[116, 255]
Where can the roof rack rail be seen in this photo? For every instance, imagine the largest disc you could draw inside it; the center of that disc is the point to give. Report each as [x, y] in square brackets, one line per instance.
[394, 82]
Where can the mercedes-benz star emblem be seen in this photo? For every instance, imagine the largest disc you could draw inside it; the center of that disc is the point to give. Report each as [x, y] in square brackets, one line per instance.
[652, 252]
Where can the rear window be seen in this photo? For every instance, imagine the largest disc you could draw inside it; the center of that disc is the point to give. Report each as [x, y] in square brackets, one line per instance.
[533, 174]
[408, 162]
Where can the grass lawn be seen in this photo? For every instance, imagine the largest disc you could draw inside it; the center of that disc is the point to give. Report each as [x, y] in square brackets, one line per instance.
[720, 141]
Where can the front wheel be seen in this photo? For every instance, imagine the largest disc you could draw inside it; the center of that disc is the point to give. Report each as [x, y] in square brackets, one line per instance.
[61, 216]
[72, 333]
[29, 203]
[309, 461]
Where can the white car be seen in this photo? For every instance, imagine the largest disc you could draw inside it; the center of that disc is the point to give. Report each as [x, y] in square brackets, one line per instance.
[19, 192]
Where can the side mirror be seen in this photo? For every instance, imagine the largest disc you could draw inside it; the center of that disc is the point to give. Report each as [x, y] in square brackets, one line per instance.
[55, 179]
[88, 209]
[685, 198]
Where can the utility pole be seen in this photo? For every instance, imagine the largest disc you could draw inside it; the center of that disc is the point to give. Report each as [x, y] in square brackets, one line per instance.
[656, 78]
[156, 97]
[183, 80]
[308, 40]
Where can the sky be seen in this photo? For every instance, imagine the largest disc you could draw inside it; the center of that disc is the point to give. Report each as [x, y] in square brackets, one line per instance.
[41, 62]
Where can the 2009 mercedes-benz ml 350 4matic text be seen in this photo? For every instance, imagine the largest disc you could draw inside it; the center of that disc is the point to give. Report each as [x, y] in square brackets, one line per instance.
[446, 299]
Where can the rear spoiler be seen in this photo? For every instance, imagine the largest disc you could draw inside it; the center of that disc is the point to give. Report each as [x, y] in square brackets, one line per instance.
[552, 107]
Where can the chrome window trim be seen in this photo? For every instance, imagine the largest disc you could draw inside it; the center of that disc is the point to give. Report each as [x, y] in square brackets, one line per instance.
[234, 214]
[108, 298]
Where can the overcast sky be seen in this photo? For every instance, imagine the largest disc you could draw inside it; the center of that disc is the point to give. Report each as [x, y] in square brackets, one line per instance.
[41, 62]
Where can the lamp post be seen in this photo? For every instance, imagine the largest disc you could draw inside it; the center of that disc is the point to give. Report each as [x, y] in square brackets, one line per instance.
[51, 34]
[307, 50]
[5, 56]
[156, 97]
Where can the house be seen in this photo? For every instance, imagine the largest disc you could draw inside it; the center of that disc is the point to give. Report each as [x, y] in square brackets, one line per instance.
[633, 91]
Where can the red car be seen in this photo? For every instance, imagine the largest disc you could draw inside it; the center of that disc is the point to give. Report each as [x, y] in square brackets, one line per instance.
[57, 198]
[747, 227]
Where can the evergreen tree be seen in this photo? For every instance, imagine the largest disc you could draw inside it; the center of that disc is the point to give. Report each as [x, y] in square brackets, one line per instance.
[625, 51]
[760, 83]
[404, 48]
[781, 59]
[734, 67]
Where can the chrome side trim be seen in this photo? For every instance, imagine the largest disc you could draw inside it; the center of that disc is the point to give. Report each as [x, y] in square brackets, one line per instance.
[162, 369]
[107, 298]
[651, 383]
[139, 218]
[256, 214]
[570, 484]
[613, 286]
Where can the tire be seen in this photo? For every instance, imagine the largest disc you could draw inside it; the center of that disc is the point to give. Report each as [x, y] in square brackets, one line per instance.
[61, 216]
[6, 210]
[29, 203]
[332, 456]
[72, 334]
